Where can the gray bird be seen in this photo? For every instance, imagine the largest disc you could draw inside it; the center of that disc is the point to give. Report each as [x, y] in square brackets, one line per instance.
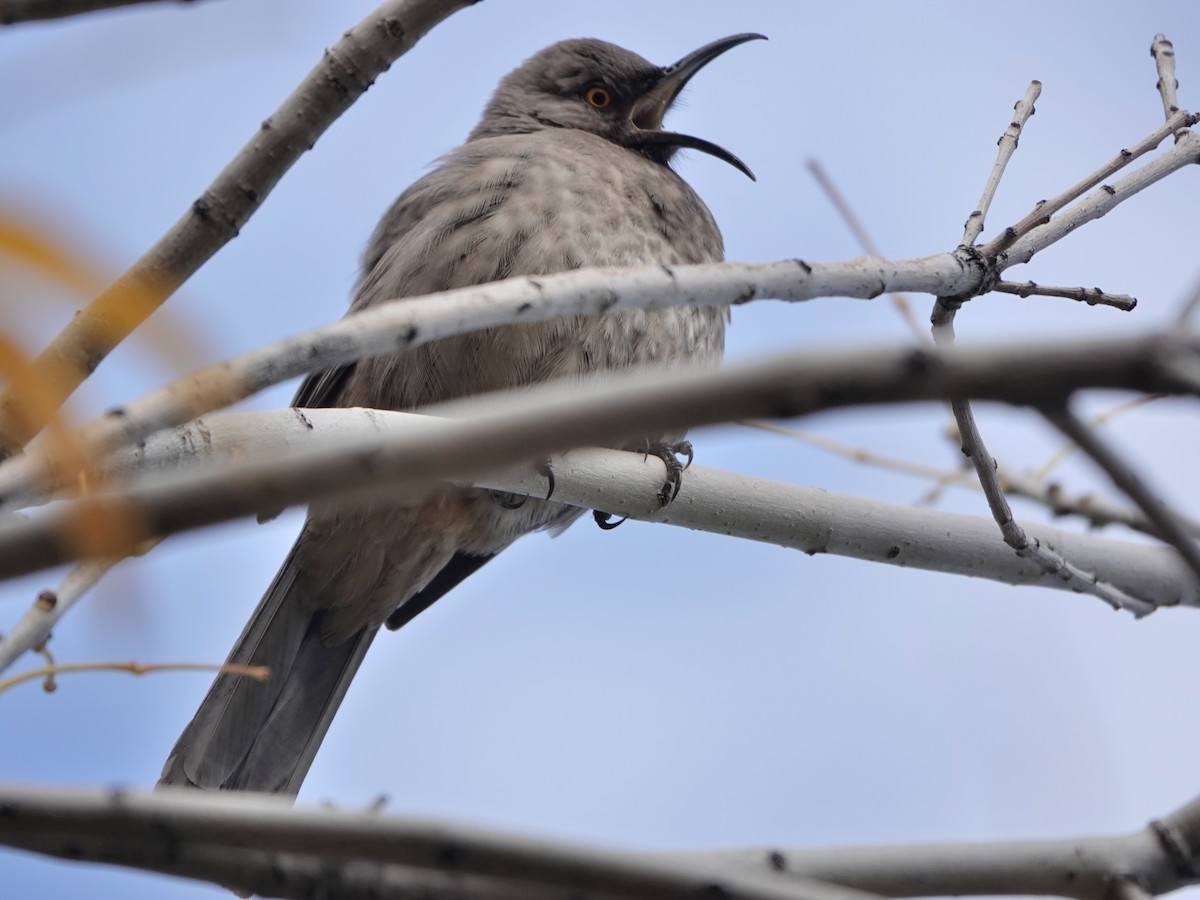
[568, 167]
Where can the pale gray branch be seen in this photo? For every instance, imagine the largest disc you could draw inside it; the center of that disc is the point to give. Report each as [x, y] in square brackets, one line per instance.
[1008, 145]
[343, 74]
[1091, 296]
[1163, 52]
[1044, 210]
[1158, 859]
[180, 832]
[1186, 152]
[94, 824]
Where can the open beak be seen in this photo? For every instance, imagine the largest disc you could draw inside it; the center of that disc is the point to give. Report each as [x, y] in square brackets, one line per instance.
[649, 109]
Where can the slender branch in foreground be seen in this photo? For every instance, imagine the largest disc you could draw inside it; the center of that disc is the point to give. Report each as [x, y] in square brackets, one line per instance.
[1169, 524]
[177, 831]
[13, 11]
[1090, 296]
[344, 73]
[101, 825]
[1008, 145]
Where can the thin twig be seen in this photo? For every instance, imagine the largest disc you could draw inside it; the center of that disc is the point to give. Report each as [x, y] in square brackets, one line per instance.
[1091, 296]
[343, 74]
[899, 299]
[1045, 209]
[1163, 52]
[33, 629]
[1014, 535]
[259, 673]
[1171, 528]
[1008, 145]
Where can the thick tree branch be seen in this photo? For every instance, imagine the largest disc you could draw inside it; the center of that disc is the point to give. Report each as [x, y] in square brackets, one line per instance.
[344, 73]
[253, 842]
[100, 825]
[555, 418]
[1163, 857]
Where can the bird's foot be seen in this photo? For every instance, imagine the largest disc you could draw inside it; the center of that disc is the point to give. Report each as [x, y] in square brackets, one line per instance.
[546, 470]
[669, 454]
[606, 520]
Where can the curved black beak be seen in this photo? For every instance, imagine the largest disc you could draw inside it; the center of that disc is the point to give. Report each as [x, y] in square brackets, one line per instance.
[649, 109]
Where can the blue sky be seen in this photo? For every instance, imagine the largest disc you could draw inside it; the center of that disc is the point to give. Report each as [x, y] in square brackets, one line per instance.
[648, 687]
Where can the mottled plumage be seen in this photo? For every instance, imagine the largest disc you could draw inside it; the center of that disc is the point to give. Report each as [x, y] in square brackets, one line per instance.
[549, 180]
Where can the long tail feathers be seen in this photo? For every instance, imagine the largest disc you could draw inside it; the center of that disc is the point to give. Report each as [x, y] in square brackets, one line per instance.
[262, 736]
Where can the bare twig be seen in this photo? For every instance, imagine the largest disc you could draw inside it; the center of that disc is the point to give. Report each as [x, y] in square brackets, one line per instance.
[1014, 535]
[13, 11]
[259, 673]
[1170, 526]
[344, 73]
[1008, 145]
[1163, 52]
[33, 629]
[899, 299]
[1047, 208]
[1090, 296]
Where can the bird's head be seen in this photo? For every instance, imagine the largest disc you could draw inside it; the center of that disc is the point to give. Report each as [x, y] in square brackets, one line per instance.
[597, 87]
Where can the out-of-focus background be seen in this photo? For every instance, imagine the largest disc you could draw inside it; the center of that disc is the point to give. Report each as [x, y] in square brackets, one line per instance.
[649, 687]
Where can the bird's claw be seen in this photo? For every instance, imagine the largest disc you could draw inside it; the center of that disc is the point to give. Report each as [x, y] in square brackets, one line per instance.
[605, 520]
[510, 501]
[546, 470]
[669, 454]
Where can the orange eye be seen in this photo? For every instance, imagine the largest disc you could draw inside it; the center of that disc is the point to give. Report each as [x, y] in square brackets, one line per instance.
[598, 97]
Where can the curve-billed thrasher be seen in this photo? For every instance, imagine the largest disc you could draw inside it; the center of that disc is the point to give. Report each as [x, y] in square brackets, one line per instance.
[567, 168]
